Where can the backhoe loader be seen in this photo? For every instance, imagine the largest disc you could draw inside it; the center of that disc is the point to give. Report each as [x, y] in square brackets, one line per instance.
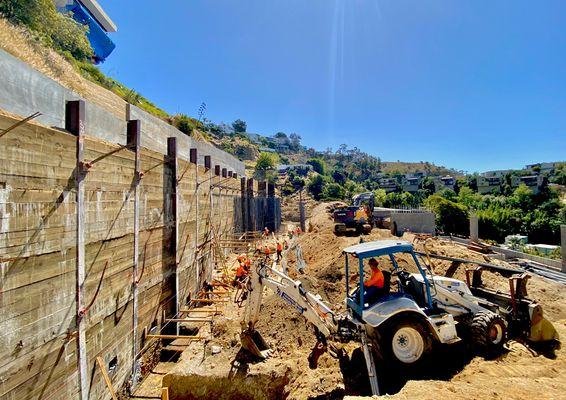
[401, 325]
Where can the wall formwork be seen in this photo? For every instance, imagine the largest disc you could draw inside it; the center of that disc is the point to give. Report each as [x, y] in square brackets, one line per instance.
[181, 208]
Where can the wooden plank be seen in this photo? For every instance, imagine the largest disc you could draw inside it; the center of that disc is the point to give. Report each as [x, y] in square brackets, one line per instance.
[75, 123]
[209, 300]
[202, 293]
[106, 378]
[189, 319]
[190, 310]
[165, 393]
[175, 337]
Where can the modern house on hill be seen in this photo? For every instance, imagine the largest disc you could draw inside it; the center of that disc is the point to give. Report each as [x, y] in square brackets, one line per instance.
[444, 182]
[91, 14]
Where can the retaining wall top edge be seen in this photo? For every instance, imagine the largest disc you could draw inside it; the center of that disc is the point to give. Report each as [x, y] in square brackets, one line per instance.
[26, 91]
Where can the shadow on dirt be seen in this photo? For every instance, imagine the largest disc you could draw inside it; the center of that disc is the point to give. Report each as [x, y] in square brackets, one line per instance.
[443, 364]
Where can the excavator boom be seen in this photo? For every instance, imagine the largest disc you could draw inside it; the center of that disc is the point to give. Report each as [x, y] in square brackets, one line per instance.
[309, 305]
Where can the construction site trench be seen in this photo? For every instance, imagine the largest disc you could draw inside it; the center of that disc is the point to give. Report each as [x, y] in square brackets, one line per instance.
[220, 368]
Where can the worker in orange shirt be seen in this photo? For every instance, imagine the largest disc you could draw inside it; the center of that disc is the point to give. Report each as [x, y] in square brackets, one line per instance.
[279, 251]
[267, 251]
[243, 270]
[375, 286]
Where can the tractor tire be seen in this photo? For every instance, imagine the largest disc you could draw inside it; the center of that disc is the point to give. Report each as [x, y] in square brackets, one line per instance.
[407, 342]
[488, 333]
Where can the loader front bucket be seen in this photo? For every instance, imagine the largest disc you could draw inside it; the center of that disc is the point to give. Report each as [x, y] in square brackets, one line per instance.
[254, 343]
[542, 329]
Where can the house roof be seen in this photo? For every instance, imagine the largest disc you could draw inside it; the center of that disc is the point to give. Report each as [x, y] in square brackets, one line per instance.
[100, 15]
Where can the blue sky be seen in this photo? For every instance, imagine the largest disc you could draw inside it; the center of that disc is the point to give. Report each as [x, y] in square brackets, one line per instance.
[474, 85]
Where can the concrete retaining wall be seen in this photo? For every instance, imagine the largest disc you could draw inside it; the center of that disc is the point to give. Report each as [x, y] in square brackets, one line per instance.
[161, 210]
[416, 222]
[26, 91]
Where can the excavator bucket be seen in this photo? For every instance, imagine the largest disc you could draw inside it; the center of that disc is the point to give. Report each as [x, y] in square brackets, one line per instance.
[254, 343]
[542, 329]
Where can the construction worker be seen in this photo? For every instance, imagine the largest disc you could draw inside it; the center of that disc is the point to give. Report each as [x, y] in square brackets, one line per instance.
[375, 286]
[265, 232]
[257, 251]
[279, 251]
[267, 252]
[242, 272]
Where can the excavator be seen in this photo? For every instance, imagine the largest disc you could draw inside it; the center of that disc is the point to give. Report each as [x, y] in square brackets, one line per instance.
[357, 217]
[401, 326]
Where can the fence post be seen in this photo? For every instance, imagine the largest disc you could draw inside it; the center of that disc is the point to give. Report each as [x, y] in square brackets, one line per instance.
[474, 233]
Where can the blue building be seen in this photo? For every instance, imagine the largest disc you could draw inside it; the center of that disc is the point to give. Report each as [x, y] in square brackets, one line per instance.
[91, 14]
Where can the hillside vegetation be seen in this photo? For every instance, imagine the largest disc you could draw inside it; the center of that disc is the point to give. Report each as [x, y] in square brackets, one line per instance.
[55, 44]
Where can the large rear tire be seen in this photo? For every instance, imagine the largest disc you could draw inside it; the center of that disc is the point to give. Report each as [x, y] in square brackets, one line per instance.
[407, 342]
[488, 331]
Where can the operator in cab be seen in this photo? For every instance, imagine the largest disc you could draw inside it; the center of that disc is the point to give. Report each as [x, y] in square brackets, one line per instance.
[375, 287]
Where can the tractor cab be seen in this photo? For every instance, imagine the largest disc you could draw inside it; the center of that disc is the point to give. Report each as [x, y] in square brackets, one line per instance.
[405, 280]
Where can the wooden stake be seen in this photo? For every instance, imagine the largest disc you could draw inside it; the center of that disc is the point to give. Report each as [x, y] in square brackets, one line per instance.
[106, 378]
[165, 393]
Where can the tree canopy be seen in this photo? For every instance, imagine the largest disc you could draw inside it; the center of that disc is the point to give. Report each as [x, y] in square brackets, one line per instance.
[239, 126]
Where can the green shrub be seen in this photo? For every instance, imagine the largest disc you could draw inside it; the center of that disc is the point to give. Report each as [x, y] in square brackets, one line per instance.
[316, 186]
[55, 30]
[450, 217]
[186, 124]
[332, 191]
[496, 222]
[318, 165]
[266, 161]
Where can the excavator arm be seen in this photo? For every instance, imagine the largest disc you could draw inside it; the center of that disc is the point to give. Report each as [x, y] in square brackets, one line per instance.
[309, 305]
